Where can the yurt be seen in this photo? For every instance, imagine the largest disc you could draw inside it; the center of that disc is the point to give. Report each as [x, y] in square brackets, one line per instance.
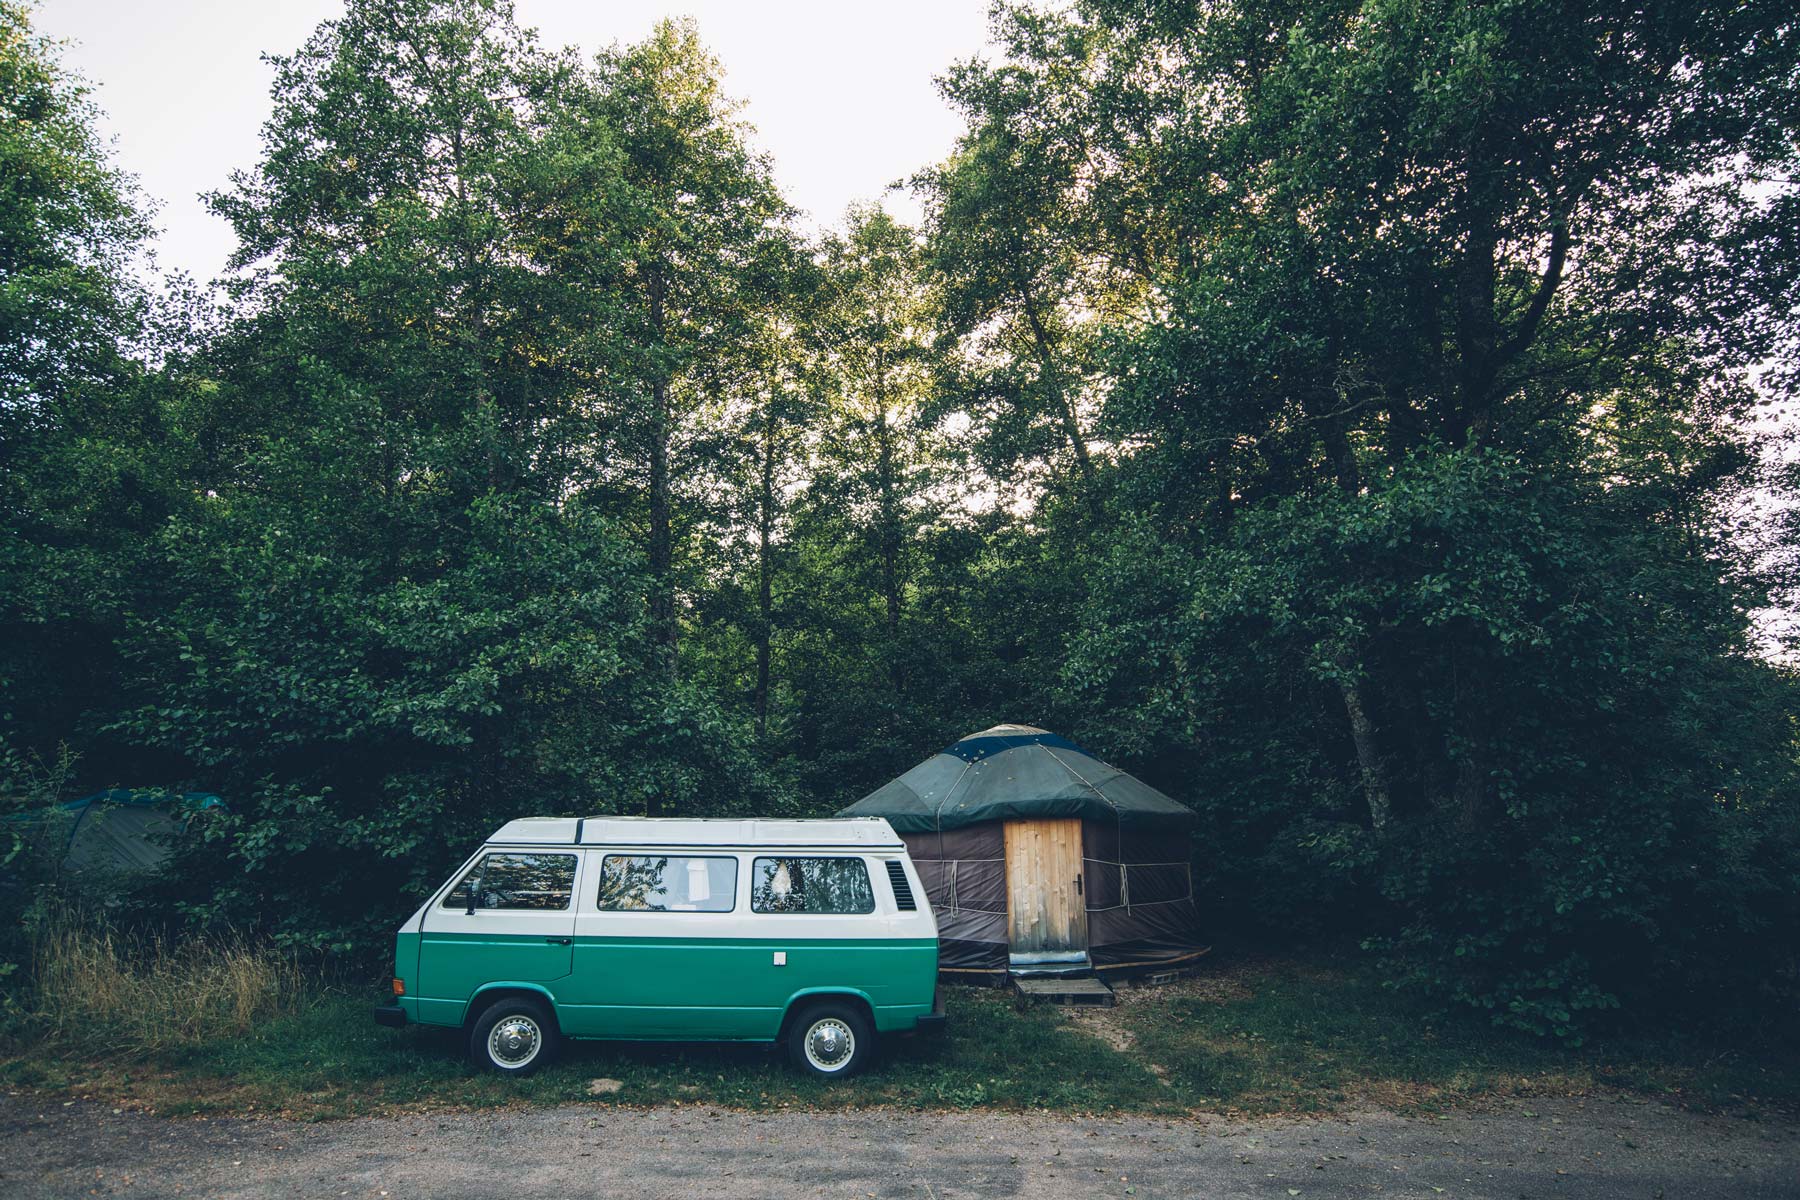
[1041, 859]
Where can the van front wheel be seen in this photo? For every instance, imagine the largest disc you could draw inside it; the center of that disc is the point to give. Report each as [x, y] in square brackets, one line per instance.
[830, 1040]
[514, 1036]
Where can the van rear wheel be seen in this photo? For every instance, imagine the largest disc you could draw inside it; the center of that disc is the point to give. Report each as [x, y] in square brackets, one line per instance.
[830, 1040]
[514, 1036]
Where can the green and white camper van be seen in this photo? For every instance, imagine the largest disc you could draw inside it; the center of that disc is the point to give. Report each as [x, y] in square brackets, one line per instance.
[812, 933]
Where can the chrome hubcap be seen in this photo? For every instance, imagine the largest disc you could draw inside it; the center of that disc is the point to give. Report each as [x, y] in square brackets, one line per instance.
[829, 1044]
[514, 1041]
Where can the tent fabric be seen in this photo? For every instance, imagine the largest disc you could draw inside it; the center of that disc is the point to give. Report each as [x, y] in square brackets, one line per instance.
[1017, 772]
[952, 810]
[121, 839]
[128, 829]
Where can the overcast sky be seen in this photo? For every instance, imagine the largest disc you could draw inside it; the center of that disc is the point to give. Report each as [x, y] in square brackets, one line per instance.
[841, 92]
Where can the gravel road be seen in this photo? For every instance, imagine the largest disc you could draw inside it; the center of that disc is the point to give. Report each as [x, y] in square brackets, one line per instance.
[1611, 1147]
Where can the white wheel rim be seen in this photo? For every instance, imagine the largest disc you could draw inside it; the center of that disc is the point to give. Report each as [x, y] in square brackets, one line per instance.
[830, 1044]
[514, 1041]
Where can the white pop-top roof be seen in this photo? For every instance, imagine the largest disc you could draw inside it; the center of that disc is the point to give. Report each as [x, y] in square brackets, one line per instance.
[868, 833]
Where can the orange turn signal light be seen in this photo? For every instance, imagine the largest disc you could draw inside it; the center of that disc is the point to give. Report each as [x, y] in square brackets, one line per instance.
[399, 987]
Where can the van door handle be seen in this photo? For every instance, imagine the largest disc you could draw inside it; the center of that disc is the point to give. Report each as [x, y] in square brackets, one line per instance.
[560, 941]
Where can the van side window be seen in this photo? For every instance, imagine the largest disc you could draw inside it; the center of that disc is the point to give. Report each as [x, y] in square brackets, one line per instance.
[667, 883]
[533, 881]
[810, 885]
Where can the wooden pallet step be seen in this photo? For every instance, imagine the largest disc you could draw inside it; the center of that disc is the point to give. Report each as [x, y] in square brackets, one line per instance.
[1066, 991]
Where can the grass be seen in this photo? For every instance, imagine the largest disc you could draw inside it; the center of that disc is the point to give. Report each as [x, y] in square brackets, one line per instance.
[1287, 1036]
[331, 1060]
[105, 991]
[226, 1028]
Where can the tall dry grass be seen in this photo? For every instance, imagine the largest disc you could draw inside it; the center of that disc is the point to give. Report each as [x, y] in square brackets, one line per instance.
[136, 995]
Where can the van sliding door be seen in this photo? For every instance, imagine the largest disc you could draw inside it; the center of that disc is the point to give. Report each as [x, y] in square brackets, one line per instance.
[659, 949]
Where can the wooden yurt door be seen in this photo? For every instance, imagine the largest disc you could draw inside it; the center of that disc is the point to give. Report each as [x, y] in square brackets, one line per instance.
[1044, 906]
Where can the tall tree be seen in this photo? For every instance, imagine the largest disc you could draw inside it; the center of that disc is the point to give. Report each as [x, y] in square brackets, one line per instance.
[386, 199]
[878, 349]
[71, 223]
[401, 613]
[88, 469]
[1023, 271]
[698, 214]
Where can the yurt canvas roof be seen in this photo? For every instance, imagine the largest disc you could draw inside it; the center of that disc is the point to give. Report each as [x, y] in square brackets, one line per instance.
[1016, 772]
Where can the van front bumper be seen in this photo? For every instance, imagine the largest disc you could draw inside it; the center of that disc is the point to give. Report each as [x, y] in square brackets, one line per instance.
[391, 1015]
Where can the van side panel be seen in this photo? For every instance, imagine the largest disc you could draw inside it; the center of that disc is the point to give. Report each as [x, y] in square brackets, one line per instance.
[731, 988]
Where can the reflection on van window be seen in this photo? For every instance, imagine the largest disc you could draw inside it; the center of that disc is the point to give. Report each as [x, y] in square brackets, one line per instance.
[810, 885]
[536, 881]
[667, 883]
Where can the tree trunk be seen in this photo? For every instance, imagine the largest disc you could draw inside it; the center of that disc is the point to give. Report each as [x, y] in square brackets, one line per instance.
[1477, 328]
[1376, 786]
[890, 522]
[487, 419]
[765, 573]
[662, 579]
[1071, 420]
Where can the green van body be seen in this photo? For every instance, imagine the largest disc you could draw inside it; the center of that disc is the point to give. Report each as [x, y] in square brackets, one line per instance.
[632, 973]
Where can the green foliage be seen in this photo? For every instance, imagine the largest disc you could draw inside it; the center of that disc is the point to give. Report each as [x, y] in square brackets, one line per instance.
[34, 834]
[1612, 808]
[1344, 415]
[71, 227]
[371, 738]
[384, 607]
[1433, 408]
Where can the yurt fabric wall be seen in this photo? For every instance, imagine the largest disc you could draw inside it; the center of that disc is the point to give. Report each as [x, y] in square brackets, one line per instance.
[1139, 896]
[964, 873]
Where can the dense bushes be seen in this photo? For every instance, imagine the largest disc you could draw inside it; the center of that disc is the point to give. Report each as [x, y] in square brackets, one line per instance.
[1609, 820]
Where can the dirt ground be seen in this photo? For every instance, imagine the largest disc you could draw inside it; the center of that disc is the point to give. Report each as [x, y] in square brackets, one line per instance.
[1613, 1147]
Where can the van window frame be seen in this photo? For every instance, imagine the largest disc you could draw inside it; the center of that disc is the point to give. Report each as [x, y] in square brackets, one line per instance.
[475, 873]
[861, 859]
[737, 875]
